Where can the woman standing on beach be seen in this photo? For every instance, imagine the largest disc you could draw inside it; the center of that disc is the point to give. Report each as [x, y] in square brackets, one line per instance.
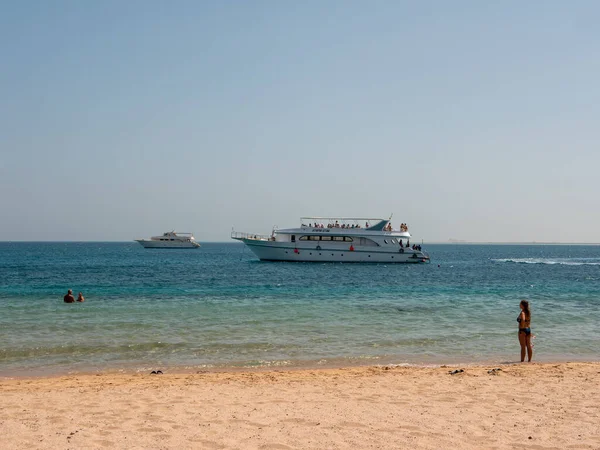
[524, 320]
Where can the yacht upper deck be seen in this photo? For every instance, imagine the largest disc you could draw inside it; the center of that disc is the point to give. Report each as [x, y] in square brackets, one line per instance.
[348, 224]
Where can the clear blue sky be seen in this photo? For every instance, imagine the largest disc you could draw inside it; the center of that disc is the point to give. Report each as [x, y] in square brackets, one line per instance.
[469, 120]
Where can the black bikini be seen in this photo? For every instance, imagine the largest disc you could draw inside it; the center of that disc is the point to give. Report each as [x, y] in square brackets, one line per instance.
[527, 330]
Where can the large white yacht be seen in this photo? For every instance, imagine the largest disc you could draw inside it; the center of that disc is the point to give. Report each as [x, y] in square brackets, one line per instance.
[170, 239]
[326, 239]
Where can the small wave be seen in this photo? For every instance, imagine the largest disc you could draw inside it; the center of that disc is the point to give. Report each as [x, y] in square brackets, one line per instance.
[552, 261]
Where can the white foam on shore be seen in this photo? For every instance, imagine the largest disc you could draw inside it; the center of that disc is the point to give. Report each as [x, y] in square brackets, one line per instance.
[551, 261]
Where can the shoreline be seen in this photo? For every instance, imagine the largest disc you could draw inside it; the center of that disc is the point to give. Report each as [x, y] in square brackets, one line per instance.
[266, 371]
[549, 405]
[183, 369]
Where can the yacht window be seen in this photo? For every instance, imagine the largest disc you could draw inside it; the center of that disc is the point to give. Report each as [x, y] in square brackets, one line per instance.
[394, 241]
[385, 240]
[325, 238]
[314, 238]
[367, 242]
[293, 238]
[348, 239]
[303, 238]
[338, 238]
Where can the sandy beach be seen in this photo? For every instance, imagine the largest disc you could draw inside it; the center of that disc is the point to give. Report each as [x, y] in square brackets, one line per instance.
[538, 406]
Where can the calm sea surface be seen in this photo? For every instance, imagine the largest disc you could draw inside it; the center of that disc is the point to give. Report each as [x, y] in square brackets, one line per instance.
[219, 307]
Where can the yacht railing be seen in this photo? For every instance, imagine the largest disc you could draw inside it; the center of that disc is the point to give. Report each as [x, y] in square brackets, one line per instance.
[254, 237]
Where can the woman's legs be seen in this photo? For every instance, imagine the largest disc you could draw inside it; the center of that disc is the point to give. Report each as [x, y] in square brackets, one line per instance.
[523, 342]
[529, 348]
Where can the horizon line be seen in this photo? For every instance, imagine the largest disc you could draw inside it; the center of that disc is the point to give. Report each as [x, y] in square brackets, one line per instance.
[229, 242]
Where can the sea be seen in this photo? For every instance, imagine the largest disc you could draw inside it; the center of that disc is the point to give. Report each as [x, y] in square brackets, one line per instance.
[220, 308]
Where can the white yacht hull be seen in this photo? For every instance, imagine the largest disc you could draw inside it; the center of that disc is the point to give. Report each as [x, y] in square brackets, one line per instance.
[311, 252]
[148, 243]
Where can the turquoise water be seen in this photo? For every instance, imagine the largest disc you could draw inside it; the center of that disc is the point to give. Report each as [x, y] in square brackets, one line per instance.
[219, 307]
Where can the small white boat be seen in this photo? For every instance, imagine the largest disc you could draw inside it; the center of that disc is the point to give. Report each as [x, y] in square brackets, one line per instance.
[170, 239]
[326, 239]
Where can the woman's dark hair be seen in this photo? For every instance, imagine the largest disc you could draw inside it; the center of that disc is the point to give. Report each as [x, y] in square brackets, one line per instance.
[526, 310]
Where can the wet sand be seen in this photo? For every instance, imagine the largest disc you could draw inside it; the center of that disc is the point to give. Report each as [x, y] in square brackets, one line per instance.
[536, 406]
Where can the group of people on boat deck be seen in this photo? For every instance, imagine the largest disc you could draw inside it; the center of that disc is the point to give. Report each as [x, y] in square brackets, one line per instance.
[332, 225]
[388, 227]
[414, 247]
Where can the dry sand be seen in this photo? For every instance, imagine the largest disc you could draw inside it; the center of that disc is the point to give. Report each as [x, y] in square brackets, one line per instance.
[533, 406]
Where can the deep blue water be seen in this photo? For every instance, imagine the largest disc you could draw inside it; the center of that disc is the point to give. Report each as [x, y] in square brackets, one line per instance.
[220, 307]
